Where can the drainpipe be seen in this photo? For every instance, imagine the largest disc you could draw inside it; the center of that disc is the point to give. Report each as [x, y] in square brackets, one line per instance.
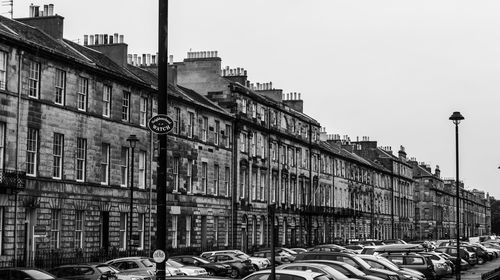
[20, 58]
[309, 226]
[234, 211]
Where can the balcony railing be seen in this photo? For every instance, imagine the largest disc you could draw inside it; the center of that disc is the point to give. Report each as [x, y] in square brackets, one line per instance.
[12, 181]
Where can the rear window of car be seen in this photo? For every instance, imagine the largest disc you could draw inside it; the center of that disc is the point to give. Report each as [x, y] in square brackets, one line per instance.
[36, 274]
[396, 260]
[414, 260]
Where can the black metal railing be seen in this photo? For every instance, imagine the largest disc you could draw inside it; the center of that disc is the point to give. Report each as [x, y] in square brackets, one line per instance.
[12, 181]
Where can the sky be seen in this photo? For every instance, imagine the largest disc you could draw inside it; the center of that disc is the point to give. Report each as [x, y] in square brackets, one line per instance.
[394, 71]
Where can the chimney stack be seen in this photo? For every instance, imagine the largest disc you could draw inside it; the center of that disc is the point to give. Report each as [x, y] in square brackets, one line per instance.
[109, 46]
[44, 20]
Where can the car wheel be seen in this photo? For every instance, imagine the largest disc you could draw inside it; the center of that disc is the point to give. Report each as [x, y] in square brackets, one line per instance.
[480, 261]
[235, 273]
[210, 273]
[255, 267]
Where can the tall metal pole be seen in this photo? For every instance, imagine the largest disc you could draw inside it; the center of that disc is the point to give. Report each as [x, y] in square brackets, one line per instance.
[161, 192]
[131, 201]
[458, 204]
[271, 210]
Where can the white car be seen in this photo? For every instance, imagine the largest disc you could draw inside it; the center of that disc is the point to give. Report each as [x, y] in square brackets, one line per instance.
[287, 274]
[187, 269]
[258, 263]
[141, 266]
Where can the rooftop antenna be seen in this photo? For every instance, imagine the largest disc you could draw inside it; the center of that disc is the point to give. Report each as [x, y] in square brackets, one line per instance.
[10, 4]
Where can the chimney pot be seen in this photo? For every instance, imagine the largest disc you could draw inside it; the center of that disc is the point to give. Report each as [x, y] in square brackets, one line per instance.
[110, 38]
[37, 11]
[129, 59]
[216, 54]
[85, 40]
[299, 96]
[148, 63]
[115, 38]
[295, 96]
[153, 59]
[245, 72]
[143, 59]
[271, 85]
[135, 59]
[105, 39]
[45, 10]
[96, 39]
[121, 38]
[139, 61]
[91, 38]
[32, 10]
[51, 9]
[101, 39]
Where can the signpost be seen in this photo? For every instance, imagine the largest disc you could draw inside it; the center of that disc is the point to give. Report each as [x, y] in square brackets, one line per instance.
[159, 256]
[160, 124]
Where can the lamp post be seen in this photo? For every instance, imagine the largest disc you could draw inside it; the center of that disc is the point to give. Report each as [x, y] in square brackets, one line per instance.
[456, 117]
[132, 140]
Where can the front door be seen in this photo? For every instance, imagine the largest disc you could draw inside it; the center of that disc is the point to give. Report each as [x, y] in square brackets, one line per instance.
[105, 230]
[203, 231]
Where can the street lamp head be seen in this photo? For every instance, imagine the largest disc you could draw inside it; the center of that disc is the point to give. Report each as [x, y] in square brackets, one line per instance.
[456, 117]
[132, 140]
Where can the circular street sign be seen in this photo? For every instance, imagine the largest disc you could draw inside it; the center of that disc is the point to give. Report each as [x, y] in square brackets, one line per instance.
[161, 124]
[159, 256]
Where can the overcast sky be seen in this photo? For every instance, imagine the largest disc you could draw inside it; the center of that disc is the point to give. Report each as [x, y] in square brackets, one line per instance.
[391, 70]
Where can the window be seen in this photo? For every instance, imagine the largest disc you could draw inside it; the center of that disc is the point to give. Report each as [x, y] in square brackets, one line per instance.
[60, 86]
[83, 91]
[32, 152]
[177, 120]
[104, 164]
[142, 169]
[126, 106]
[253, 185]
[184, 230]
[228, 134]
[204, 128]
[106, 101]
[79, 228]
[2, 144]
[227, 180]
[262, 184]
[55, 227]
[189, 176]
[3, 70]
[57, 152]
[191, 125]
[216, 179]
[216, 230]
[216, 132]
[175, 173]
[81, 158]
[123, 231]
[254, 144]
[141, 222]
[34, 79]
[204, 177]
[143, 111]
[124, 167]
[244, 106]
[243, 140]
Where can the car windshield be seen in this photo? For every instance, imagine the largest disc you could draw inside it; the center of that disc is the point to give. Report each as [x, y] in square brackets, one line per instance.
[361, 262]
[321, 277]
[147, 263]
[174, 263]
[39, 275]
[201, 260]
[291, 252]
[389, 264]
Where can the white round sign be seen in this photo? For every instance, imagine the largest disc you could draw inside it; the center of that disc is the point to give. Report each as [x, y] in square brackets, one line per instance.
[159, 256]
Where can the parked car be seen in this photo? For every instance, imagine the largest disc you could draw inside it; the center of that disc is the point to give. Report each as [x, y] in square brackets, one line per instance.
[469, 257]
[369, 250]
[187, 269]
[328, 248]
[141, 266]
[212, 268]
[20, 273]
[332, 273]
[399, 248]
[344, 268]
[279, 257]
[393, 241]
[97, 271]
[355, 248]
[257, 262]
[464, 265]
[414, 261]
[298, 250]
[351, 259]
[383, 263]
[287, 274]
[442, 266]
[240, 266]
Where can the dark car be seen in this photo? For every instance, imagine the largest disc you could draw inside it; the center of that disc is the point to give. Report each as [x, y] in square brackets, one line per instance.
[97, 271]
[482, 255]
[212, 268]
[279, 258]
[351, 259]
[346, 269]
[469, 257]
[381, 262]
[22, 273]
[240, 266]
[422, 264]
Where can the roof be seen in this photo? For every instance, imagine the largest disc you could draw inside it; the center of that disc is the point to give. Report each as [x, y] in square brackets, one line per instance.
[196, 98]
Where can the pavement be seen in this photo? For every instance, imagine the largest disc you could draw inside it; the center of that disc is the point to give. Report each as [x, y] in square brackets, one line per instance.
[486, 271]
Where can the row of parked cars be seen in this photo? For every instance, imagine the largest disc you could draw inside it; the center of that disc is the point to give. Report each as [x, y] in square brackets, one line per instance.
[366, 260]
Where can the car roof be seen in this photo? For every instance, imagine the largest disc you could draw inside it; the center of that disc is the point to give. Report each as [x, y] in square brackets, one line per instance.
[291, 272]
[128, 259]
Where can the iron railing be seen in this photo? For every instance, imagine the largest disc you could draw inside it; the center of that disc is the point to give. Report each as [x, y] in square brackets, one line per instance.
[12, 181]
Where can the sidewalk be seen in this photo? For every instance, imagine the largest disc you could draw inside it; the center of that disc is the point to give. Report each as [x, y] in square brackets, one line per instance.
[487, 271]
